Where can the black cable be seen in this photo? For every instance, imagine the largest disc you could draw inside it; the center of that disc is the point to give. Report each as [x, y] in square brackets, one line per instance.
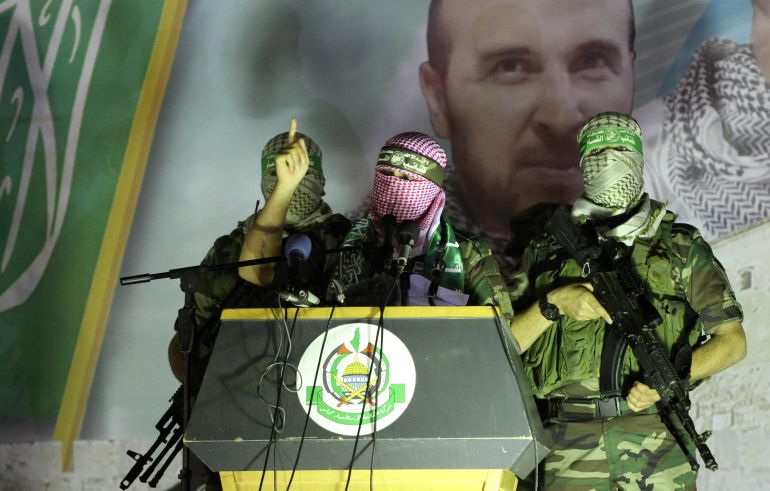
[368, 380]
[376, 392]
[273, 430]
[275, 416]
[312, 394]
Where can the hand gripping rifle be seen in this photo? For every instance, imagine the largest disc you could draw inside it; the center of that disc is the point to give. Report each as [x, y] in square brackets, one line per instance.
[619, 290]
[170, 428]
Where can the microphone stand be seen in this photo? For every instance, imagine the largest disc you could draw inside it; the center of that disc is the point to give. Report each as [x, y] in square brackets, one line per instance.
[388, 230]
[404, 285]
[406, 235]
[203, 268]
[194, 270]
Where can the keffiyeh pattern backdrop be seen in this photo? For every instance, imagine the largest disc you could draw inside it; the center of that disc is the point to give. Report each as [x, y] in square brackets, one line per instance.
[718, 126]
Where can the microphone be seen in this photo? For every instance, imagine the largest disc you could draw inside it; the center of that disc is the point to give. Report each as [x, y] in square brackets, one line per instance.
[406, 235]
[388, 226]
[297, 249]
[388, 231]
[337, 226]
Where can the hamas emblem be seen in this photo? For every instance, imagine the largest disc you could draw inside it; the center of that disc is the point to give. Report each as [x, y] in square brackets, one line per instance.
[353, 373]
[611, 135]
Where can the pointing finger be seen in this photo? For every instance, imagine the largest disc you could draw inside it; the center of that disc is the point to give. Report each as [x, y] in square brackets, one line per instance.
[604, 314]
[292, 130]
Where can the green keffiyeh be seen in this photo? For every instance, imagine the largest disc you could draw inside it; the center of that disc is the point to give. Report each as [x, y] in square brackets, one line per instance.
[644, 222]
[306, 206]
[611, 160]
[281, 141]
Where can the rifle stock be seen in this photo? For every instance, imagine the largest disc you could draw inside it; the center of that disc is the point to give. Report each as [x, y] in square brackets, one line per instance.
[170, 427]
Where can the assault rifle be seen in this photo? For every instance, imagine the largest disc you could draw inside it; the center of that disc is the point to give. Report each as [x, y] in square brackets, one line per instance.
[619, 290]
[170, 428]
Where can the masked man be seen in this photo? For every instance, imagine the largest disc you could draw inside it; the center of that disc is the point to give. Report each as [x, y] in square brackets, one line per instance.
[293, 186]
[616, 440]
[448, 268]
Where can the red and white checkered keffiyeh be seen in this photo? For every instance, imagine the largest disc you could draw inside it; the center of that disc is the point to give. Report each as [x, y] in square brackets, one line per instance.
[419, 143]
[418, 199]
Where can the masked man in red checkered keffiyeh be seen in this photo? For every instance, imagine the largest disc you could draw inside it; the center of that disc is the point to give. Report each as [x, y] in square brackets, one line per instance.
[408, 184]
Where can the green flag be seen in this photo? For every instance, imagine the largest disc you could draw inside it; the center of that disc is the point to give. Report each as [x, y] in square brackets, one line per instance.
[80, 88]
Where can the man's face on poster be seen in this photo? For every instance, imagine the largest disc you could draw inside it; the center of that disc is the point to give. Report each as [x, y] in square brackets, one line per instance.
[516, 80]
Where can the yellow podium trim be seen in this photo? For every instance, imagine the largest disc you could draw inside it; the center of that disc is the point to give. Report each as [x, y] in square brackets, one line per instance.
[388, 480]
[362, 313]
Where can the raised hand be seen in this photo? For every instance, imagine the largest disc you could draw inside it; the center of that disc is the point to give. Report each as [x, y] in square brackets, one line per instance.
[291, 162]
[264, 237]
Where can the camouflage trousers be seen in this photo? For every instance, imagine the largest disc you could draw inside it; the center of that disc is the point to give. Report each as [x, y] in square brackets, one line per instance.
[629, 452]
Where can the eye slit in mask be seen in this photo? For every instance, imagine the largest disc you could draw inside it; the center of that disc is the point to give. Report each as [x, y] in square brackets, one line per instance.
[396, 173]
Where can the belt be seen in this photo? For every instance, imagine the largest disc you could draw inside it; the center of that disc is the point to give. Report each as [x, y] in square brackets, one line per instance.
[577, 409]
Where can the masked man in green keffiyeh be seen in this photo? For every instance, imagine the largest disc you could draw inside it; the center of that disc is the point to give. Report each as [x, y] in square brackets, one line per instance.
[293, 186]
[441, 267]
[620, 443]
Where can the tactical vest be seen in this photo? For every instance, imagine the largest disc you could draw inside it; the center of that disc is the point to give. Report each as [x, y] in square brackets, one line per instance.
[569, 352]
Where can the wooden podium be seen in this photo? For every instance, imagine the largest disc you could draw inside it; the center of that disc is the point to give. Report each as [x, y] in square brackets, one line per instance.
[443, 386]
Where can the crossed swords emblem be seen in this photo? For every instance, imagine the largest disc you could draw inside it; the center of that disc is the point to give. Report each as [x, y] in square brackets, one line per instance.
[360, 393]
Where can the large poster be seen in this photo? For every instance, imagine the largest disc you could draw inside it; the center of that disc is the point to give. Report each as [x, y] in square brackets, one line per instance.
[694, 72]
[80, 85]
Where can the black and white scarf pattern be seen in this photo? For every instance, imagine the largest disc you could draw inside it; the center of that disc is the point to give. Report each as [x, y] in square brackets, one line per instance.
[717, 138]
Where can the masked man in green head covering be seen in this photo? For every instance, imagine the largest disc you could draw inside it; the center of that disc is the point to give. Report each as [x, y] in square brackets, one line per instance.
[293, 186]
[601, 440]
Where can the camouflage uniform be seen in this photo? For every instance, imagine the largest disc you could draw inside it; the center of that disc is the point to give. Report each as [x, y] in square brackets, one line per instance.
[690, 290]
[470, 266]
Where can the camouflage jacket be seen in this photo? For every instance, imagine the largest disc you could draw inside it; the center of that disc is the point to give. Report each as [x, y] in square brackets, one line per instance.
[686, 284]
[470, 266]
